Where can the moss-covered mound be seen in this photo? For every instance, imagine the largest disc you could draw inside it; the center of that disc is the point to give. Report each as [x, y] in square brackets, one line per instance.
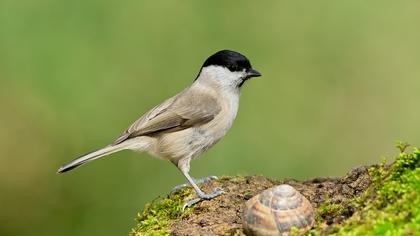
[391, 206]
[376, 200]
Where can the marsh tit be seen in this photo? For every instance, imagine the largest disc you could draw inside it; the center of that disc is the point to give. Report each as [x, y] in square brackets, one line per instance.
[187, 124]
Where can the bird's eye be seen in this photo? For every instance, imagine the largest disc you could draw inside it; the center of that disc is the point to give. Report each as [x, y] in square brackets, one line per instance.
[233, 68]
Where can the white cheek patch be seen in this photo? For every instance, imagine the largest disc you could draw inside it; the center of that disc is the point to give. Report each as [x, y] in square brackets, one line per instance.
[223, 75]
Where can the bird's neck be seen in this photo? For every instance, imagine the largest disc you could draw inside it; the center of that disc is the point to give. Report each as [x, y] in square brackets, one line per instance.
[219, 80]
[218, 89]
[228, 94]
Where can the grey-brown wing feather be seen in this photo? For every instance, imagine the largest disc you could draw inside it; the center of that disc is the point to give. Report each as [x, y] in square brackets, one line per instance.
[183, 111]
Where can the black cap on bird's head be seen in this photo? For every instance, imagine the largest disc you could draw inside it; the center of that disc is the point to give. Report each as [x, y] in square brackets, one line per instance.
[234, 61]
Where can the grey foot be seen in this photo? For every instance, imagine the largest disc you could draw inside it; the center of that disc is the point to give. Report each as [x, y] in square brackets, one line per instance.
[197, 181]
[202, 198]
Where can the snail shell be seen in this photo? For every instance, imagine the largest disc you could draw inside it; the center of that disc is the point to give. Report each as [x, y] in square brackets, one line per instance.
[276, 210]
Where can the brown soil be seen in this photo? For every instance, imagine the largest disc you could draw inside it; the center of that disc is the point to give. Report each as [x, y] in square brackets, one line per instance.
[223, 215]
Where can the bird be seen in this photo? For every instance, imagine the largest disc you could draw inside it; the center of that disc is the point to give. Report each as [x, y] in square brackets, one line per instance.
[189, 123]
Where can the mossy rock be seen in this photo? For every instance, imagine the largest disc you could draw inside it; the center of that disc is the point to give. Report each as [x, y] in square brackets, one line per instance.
[374, 200]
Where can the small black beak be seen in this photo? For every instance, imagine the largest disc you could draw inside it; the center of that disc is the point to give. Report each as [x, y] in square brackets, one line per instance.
[253, 73]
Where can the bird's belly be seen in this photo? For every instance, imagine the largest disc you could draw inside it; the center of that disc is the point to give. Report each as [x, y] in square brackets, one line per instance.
[189, 143]
[192, 142]
[186, 143]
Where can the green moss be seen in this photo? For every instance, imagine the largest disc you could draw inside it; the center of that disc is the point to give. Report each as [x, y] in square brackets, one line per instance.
[326, 212]
[158, 215]
[294, 231]
[392, 205]
[330, 210]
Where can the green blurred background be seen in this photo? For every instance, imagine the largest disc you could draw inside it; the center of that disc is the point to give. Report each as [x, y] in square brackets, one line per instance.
[340, 84]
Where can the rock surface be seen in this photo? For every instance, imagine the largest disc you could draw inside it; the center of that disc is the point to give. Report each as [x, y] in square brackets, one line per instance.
[371, 200]
[223, 215]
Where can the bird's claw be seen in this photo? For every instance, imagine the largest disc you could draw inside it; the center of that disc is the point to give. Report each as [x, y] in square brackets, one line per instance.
[209, 196]
[197, 181]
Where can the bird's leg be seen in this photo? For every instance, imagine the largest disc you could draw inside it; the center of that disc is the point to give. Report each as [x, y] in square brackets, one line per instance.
[184, 166]
[202, 196]
[197, 181]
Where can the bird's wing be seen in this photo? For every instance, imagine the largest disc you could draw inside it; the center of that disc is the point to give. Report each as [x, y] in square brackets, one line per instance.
[183, 111]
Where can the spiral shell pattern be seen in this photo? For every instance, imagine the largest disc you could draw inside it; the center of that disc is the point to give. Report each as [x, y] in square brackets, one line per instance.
[276, 211]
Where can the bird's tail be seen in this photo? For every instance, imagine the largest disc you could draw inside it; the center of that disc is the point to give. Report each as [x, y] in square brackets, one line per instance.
[93, 156]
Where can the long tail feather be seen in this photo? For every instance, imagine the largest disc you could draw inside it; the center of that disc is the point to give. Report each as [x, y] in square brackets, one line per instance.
[91, 156]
